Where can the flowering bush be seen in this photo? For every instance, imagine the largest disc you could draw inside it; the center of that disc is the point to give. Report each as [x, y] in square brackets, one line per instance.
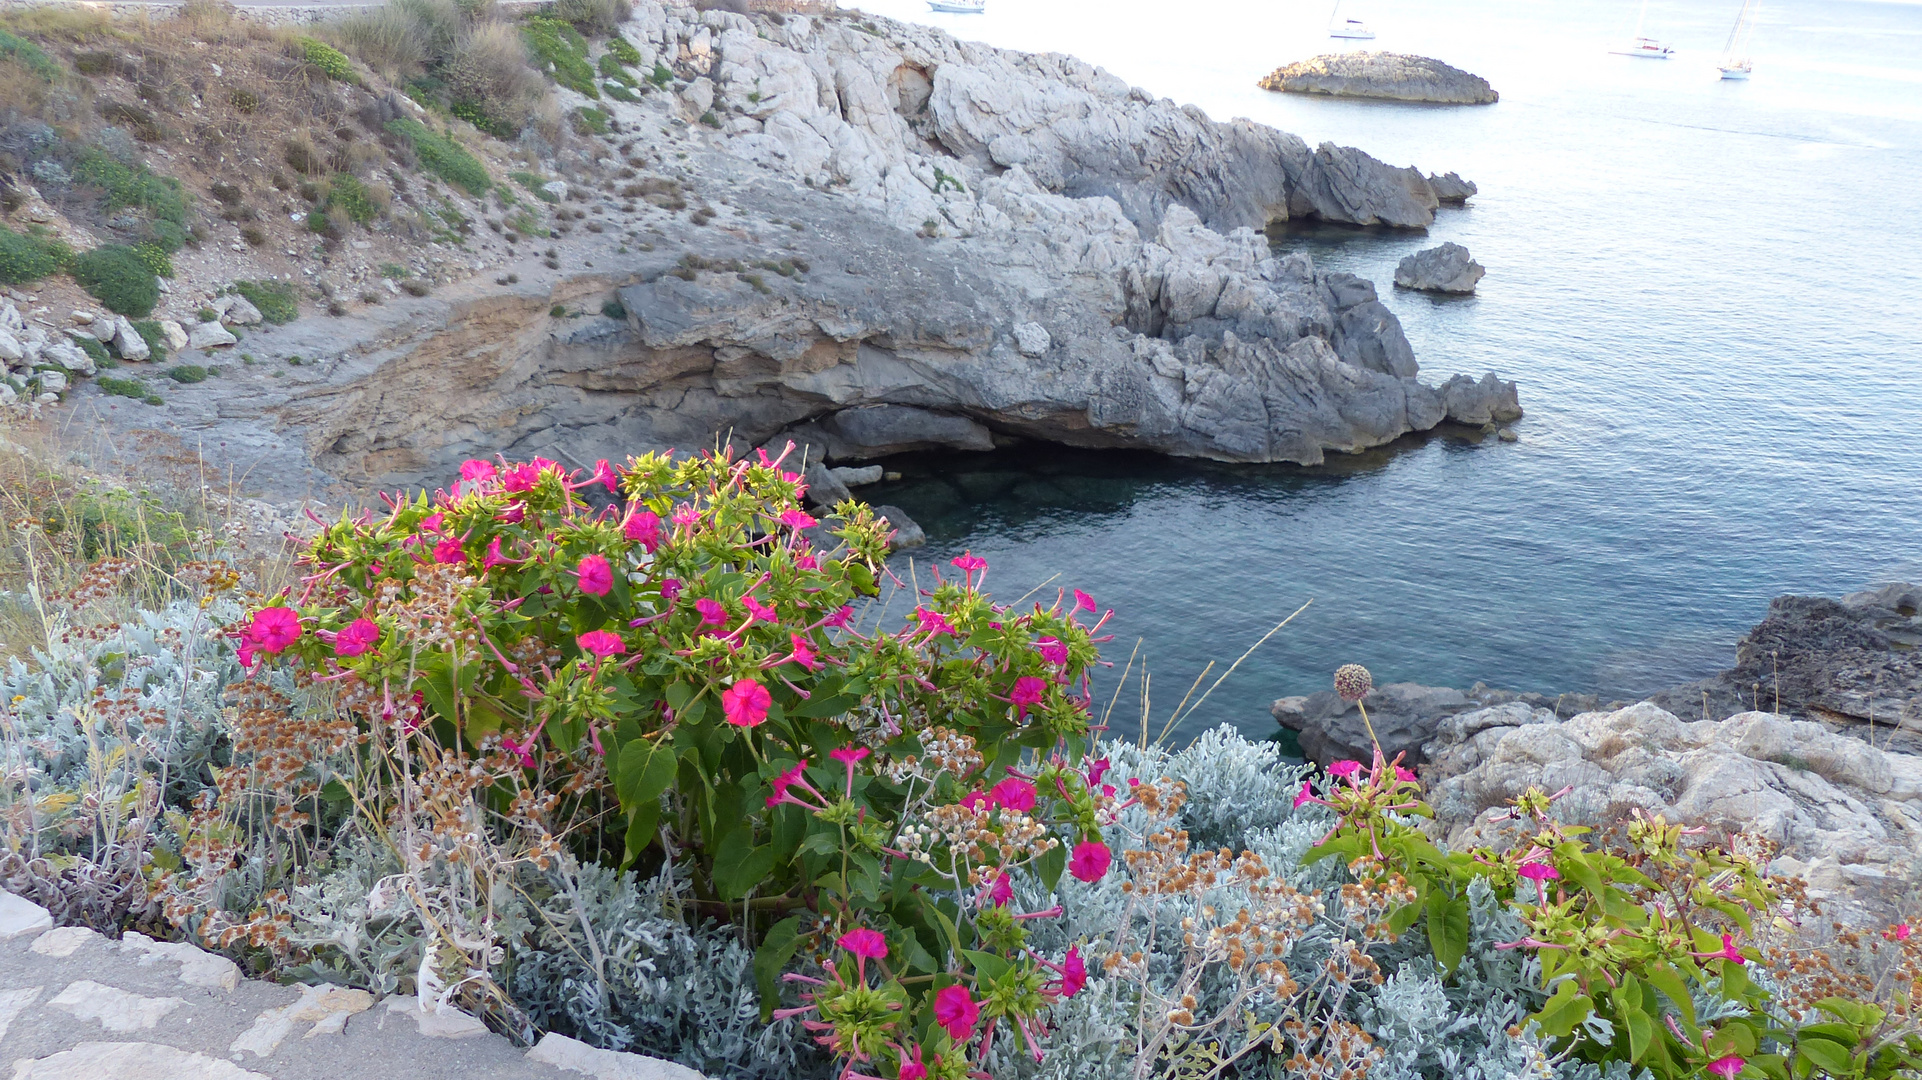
[679, 675]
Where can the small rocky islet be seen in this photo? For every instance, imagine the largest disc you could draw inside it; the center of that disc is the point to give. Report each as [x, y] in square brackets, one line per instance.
[1384, 76]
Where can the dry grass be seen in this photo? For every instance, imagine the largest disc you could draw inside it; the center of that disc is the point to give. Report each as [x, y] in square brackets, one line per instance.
[592, 17]
[400, 40]
[490, 64]
[61, 22]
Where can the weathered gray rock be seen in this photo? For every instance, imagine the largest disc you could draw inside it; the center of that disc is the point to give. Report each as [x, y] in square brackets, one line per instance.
[1446, 268]
[1480, 401]
[1340, 183]
[68, 355]
[824, 487]
[115, 1009]
[1031, 338]
[1383, 75]
[1404, 717]
[19, 916]
[572, 1054]
[236, 310]
[176, 334]
[1451, 189]
[906, 533]
[129, 1061]
[856, 476]
[127, 342]
[209, 335]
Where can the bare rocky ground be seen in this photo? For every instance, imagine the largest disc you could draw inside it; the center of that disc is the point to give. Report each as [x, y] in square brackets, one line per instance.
[75, 1005]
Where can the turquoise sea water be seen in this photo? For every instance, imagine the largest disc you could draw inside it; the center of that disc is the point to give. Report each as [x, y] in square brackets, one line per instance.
[1710, 293]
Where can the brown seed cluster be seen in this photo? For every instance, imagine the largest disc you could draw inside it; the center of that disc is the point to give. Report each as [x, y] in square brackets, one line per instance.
[947, 751]
[1339, 1051]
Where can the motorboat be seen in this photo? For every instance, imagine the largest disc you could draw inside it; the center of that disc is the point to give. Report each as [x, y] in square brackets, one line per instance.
[959, 7]
[1645, 47]
[1352, 29]
[1736, 64]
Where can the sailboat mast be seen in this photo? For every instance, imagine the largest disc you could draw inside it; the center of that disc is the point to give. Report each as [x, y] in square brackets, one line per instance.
[1640, 19]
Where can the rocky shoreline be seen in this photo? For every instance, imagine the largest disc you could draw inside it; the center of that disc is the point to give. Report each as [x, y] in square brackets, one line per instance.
[868, 235]
[1813, 740]
[1383, 76]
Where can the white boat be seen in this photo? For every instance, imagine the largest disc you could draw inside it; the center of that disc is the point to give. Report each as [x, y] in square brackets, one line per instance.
[959, 7]
[1351, 29]
[1646, 47]
[1735, 60]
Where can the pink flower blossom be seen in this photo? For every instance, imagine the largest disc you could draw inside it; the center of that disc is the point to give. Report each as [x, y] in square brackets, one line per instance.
[865, 943]
[1404, 775]
[968, 562]
[601, 643]
[1538, 871]
[449, 551]
[1074, 973]
[848, 755]
[474, 469]
[1014, 794]
[493, 557]
[522, 750]
[245, 653]
[803, 653]
[1083, 601]
[806, 562]
[685, 514]
[975, 800]
[781, 783]
[1344, 768]
[1097, 769]
[643, 527]
[1003, 890]
[595, 576]
[1727, 1067]
[840, 616]
[274, 628]
[955, 1010]
[746, 703]
[758, 610]
[356, 638]
[521, 478]
[1090, 860]
[670, 588]
[1305, 796]
[911, 1067]
[1899, 932]
[1027, 691]
[712, 613]
[1728, 951]
[1053, 651]
[432, 522]
[606, 475]
[932, 621]
[797, 519]
[514, 514]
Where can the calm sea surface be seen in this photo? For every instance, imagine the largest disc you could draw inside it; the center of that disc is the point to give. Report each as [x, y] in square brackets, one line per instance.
[1710, 293]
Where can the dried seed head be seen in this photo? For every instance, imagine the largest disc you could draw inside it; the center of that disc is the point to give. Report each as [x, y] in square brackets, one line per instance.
[1353, 682]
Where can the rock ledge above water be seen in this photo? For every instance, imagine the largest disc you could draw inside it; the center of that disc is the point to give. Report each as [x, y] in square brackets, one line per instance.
[1384, 75]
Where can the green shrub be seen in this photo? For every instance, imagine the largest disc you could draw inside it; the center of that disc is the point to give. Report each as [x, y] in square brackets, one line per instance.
[590, 121]
[350, 195]
[532, 182]
[127, 388]
[155, 256]
[133, 187]
[614, 309]
[93, 348]
[560, 52]
[622, 50]
[27, 258]
[28, 55]
[119, 278]
[444, 157]
[395, 271]
[243, 99]
[596, 17]
[478, 115]
[558, 311]
[525, 223]
[662, 74]
[619, 92]
[188, 373]
[156, 339]
[170, 236]
[207, 314]
[710, 119]
[609, 66]
[275, 299]
[331, 61]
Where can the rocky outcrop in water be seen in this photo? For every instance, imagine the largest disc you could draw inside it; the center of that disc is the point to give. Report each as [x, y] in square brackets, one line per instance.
[1448, 268]
[1384, 75]
[893, 239]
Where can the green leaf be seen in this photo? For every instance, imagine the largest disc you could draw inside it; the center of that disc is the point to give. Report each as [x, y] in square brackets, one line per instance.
[1641, 1032]
[738, 868]
[641, 821]
[1670, 982]
[1567, 1008]
[1448, 929]
[1830, 1057]
[336, 792]
[1050, 865]
[646, 770]
[775, 951]
[986, 965]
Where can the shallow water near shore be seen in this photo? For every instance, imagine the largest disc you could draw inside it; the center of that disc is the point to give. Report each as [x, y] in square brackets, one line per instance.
[1710, 293]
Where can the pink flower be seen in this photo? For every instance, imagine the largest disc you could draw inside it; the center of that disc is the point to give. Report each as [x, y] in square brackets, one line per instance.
[432, 522]
[601, 643]
[1083, 601]
[781, 783]
[245, 653]
[865, 943]
[1728, 951]
[643, 527]
[1027, 691]
[758, 610]
[474, 469]
[1014, 794]
[975, 800]
[685, 514]
[1899, 932]
[1538, 871]
[803, 653]
[521, 478]
[796, 519]
[595, 576]
[606, 475]
[449, 551]
[712, 613]
[522, 750]
[1053, 651]
[493, 557]
[1727, 1067]
[1090, 860]
[274, 628]
[1003, 890]
[513, 515]
[840, 617]
[1305, 796]
[1344, 768]
[356, 638]
[746, 703]
[955, 1010]
[806, 562]
[1074, 973]
[1098, 769]
[670, 588]
[968, 562]
[1404, 775]
[848, 755]
[932, 621]
[911, 1067]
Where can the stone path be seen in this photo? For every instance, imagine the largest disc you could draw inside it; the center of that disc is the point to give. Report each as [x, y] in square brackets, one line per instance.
[75, 1005]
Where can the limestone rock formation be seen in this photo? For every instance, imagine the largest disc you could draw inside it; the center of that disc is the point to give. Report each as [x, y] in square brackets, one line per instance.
[1446, 268]
[1384, 75]
[1848, 816]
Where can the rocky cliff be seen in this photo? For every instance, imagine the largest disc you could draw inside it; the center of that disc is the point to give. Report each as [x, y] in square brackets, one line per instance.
[1384, 75]
[839, 216]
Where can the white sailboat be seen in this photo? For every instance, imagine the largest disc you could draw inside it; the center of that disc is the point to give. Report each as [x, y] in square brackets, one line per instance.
[1351, 29]
[1646, 47]
[959, 7]
[1735, 60]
